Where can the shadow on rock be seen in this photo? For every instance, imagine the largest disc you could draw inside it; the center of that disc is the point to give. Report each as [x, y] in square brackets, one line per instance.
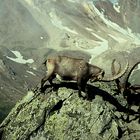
[90, 95]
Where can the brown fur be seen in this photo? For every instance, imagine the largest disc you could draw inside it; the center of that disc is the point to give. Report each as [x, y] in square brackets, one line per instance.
[73, 69]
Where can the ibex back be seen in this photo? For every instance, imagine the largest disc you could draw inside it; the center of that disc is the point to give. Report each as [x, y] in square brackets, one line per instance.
[74, 69]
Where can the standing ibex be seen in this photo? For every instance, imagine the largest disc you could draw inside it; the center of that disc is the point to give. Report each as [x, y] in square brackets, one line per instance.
[130, 92]
[75, 69]
[123, 84]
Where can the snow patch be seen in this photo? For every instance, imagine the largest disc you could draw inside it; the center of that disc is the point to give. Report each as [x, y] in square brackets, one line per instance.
[112, 24]
[41, 37]
[19, 58]
[73, 1]
[139, 66]
[58, 23]
[116, 7]
[117, 38]
[30, 72]
[88, 29]
[34, 68]
[29, 2]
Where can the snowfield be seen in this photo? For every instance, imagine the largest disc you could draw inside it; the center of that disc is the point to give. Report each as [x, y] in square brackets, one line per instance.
[19, 58]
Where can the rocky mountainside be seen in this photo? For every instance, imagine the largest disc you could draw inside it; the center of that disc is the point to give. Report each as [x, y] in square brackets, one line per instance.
[95, 30]
[130, 12]
[62, 115]
[123, 12]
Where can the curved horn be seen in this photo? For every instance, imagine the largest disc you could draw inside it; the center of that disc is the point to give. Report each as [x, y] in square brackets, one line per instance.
[113, 67]
[127, 78]
[116, 76]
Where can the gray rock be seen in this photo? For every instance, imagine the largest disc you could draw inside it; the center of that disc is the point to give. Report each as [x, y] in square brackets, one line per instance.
[63, 115]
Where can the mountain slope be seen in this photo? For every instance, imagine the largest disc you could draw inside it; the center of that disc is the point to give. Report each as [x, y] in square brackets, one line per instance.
[61, 115]
[31, 30]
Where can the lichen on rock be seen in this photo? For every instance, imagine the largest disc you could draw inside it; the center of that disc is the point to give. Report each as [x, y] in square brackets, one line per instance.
[61, 115]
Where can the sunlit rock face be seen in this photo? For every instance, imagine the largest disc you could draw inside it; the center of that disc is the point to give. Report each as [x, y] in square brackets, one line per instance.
[30, 30]
[97, 31]
[123, 12]
[131, 16]
[111, 10]
[62, 115]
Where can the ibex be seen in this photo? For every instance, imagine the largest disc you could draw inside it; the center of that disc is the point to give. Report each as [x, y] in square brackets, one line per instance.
[130, 92]
[122, 83]
[75, 69]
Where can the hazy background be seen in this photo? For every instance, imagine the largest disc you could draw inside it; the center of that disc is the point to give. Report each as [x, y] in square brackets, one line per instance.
[95, 30]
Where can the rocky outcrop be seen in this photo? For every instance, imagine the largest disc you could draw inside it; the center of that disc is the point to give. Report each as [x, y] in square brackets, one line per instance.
[37, 28]
[60, 114]
[124, 12]
[110, 12]
[129, 10]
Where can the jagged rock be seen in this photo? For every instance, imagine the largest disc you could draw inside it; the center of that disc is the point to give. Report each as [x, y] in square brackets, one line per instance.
[62, 115]
[129, 11]
[35, 29]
